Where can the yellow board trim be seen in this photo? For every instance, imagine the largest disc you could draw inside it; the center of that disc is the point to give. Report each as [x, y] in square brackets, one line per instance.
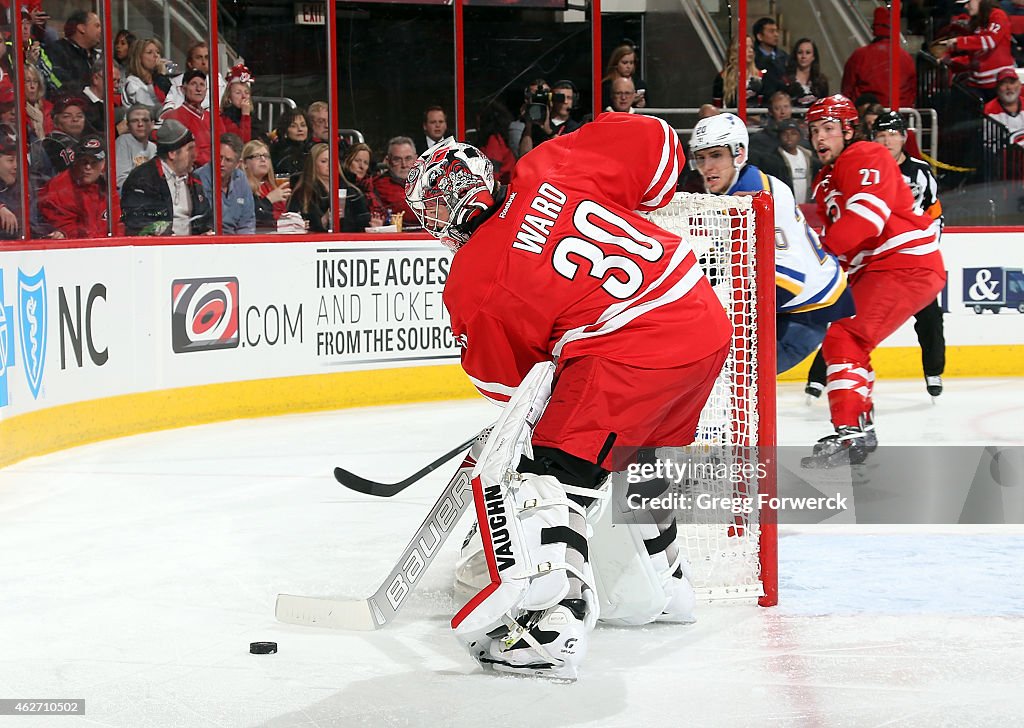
[904, 362]
[70, 425]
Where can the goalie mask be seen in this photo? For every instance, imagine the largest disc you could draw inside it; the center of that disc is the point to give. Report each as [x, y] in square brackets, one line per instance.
[450, 184]
[722, 130]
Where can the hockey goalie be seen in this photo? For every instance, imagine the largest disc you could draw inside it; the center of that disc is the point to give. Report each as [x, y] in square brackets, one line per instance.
[602, 338]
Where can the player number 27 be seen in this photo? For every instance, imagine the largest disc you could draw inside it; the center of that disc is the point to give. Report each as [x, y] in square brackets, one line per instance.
[869, 177]
[622, 276]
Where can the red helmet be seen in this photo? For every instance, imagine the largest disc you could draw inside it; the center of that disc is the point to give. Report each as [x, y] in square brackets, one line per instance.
[833, 108]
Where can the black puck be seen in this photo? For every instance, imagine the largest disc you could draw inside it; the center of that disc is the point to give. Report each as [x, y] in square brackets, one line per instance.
[262, 648]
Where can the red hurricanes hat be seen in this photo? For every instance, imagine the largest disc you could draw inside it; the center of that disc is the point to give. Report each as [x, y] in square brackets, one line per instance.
[1007, 74]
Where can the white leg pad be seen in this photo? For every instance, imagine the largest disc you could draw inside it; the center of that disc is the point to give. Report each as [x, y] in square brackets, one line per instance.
[635, 587]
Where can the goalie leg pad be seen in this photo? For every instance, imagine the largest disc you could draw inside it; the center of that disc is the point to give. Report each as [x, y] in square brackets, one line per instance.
[640, 572]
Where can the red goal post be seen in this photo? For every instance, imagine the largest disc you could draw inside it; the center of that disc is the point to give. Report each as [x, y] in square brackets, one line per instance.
[733, 238]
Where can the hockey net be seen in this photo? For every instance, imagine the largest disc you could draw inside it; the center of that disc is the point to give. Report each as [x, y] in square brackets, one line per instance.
[733, 554]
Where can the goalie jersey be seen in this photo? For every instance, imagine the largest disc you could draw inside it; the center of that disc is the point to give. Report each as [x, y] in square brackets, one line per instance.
[806, 277]
[565, 266]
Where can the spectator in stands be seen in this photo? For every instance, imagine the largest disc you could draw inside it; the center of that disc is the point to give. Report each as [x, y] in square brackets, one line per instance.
[362, 209]
[8, 117]
[515, 129]
[238, 208]
[728, 81]
[75, 201]
[798, 166]
[147, 81]
[867, 68]
[389, 186]
[236, 105]
[1006, 106]
[557, 115]
[980, 46]
[435, 128]
[163, 197]
[623, 94]
[491, 127]
[311, 198]
[319, 115]
[54, 153]
[357, 165]
[768, 56]
[122, 44]
[270, 195]
[73, 55]
[10, 197]
[867, 120]
[292, 146]
[622, 64]
[134, 149]
[38, 110]
[805, 83]
[192, 114]
[197, 57]
[96, 94]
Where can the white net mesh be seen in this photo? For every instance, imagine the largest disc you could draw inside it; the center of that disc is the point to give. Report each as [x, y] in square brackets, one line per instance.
[723, 548]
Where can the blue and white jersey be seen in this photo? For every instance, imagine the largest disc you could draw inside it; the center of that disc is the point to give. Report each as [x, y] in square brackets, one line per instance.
[806, 276]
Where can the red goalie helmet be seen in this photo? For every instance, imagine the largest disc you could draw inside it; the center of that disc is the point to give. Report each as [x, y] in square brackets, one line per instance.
[833, 108]
[450, 184]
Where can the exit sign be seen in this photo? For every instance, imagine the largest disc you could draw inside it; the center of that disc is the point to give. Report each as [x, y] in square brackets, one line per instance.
[310, 14]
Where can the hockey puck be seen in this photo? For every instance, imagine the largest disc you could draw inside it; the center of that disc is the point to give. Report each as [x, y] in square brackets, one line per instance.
[262, 648]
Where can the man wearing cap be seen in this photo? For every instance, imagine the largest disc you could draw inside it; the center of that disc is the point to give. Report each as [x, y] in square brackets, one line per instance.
[52, 154]
[238, 207]
[74, 202]
[163, 197]
[192, 114]
[797, 166]
[867, 68]
[1006, 107]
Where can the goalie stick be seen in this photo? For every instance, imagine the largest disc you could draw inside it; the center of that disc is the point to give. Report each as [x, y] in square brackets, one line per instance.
[386, 490]
[380, 609]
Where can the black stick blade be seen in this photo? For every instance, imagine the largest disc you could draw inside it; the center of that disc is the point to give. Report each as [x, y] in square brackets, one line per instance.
[368, 487]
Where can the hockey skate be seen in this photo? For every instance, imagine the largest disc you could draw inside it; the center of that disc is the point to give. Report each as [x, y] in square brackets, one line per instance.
[847, 446]
[682, 601]
[549, 644]
[867, 424]
[933, 385]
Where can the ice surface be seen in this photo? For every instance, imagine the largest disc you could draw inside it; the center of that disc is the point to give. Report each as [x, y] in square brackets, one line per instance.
[136, 572]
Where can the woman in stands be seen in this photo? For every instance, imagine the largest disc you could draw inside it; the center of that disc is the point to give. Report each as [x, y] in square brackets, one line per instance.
[38, 110]
[980, 46]
[236, 105]
[728, 81]
[362, 208]
[271, 198]
[292, 144]
[311, 198]
[805, 83]
[147, 81]
[122, 45]
[622, 64]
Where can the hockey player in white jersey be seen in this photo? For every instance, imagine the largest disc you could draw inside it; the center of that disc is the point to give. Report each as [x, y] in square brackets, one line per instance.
[810, 284]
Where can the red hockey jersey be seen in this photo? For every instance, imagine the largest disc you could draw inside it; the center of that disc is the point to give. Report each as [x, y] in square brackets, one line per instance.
[869, 212]
[986, 51]
[567, 268]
